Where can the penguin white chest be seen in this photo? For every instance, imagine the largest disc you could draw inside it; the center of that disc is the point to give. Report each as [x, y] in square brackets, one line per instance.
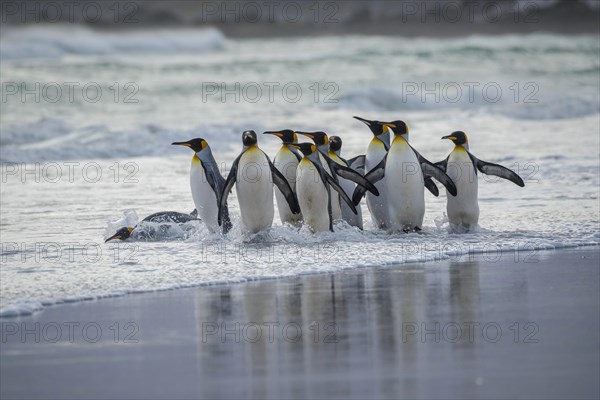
[462, 209]
[286, 163]
[312, 197]
[405, 187]
[205, 199]
[254, 187]
[378, 205]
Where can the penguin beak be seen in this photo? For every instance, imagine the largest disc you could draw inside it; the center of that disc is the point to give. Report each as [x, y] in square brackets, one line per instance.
[308, 135]
[391, 126]
[450, 137]
[115, 236]
[279, 134]
[186, 144]
[293, 145]
[366, 121]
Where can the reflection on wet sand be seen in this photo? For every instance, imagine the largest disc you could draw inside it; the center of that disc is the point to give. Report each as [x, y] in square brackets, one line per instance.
[344, 335]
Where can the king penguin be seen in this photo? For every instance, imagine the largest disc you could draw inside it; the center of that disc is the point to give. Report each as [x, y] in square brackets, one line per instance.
[162, 217]
[462, 167]
[376, 151]
[286, 161]
[336, 170]
[348, 214]
[314, 185]
[405, 172]
[254, 175]
[207, 184]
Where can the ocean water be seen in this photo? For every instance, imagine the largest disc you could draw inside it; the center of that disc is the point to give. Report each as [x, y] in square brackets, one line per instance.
[88, 118]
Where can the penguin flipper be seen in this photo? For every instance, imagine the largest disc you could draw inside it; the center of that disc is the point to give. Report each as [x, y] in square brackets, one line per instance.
[285, 188]
[497, 170]
[344, 161]
[296, 153]
[329, 211]
[229, 182]
[227, 225]
[213, 177]
[358, 164]
[373, 176]
[443, 165]
[330, 182]
[431, 186]
[336, 186]
[216, 182]
[431, 170]
[351, 175]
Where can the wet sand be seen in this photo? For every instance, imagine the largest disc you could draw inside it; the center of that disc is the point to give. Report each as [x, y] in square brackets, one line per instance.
[522, 326]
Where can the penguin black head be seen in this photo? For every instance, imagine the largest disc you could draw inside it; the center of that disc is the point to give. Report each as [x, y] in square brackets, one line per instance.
[320, 138]
[335, 143]
[197, 144]
[121, 234]
[306, 148]
[459, 138]
[286, 135]
[398, 127]
[249, 138]
[377, 127]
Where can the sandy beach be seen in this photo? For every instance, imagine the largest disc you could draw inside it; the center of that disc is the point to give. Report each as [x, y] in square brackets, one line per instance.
[521, 324]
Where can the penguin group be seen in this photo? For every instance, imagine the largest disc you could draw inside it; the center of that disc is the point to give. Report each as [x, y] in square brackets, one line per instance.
[314, 185]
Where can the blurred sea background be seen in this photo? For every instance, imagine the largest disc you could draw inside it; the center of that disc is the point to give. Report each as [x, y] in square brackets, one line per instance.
[92, 97]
